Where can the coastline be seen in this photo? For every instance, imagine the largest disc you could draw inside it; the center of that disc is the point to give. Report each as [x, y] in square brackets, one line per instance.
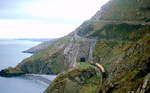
[43, 79]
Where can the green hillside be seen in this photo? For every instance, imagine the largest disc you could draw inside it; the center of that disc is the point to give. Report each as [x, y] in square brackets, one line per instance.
[116, 37]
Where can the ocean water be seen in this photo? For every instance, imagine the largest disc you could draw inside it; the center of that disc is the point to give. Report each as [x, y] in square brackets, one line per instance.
[10, 55]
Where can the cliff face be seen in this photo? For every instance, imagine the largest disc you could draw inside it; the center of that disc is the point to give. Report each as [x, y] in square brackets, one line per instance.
[117, 37]
[122, 30]
[59, 56]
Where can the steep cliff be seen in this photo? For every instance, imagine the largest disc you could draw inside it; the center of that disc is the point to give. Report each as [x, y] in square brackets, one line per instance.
[122, 30]
[117, 37]
[59, 56]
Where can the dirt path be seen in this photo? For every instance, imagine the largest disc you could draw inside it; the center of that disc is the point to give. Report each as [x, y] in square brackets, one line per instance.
[125, 21]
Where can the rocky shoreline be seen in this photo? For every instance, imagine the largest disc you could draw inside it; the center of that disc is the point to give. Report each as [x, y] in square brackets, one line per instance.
[44, 79]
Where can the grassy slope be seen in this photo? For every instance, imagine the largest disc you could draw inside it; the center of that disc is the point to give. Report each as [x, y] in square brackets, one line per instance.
[48, 61]
[123, 49]
[126, 58]
[82, 79]
[126, 10]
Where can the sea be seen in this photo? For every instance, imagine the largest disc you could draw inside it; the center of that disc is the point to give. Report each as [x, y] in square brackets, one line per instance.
[10, 55]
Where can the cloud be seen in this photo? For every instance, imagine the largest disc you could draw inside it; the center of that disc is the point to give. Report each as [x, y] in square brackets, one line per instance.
[32, 29]
[62, 9]
[44, 18]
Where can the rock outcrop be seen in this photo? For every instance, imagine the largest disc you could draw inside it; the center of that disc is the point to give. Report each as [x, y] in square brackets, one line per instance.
[62, 54]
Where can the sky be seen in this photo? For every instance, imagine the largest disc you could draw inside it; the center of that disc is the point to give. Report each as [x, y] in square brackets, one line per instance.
[44, 18]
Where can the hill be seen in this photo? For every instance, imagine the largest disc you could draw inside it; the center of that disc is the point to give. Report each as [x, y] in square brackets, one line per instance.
[117, 37]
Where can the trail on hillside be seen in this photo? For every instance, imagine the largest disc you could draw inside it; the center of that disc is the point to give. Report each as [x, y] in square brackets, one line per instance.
[124, 21]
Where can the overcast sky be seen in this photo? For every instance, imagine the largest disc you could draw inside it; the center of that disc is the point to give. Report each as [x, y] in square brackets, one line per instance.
[44, 18]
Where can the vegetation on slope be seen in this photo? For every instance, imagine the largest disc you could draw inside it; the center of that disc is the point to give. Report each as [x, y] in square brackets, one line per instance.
[122, 47]
[124, 51]
[126, 60]
[82, 79]
[133, 10]
[58, 57]
[48, 61]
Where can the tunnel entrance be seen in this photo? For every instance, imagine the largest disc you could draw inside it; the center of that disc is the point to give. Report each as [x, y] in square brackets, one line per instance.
[82, 59]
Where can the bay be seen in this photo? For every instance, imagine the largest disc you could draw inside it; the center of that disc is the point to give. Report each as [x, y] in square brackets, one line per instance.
[10, 55]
